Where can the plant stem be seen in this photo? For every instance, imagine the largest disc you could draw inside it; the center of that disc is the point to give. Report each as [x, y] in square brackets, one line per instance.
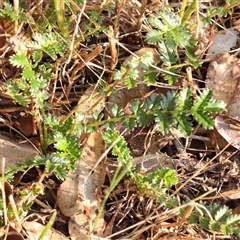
[116, 179]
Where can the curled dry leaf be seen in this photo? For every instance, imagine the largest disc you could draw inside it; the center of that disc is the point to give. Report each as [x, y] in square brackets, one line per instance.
[78, 196]
[229, 128]
[35, 229]
[223, 74]
[14, 152]
[126, 95]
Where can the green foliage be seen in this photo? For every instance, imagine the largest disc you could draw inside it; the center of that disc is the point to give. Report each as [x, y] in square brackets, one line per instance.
[95, 25]
[174, 108]
[177, 108]
[169, 35]
[221, 219]
[8, 11]
[50, 43]
[120, 149]
[158, 180]
[34, 80]
[137, 68]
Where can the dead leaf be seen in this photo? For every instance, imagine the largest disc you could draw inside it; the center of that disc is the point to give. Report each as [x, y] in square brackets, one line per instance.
[14, 152]
[215, 140]
[222, 42]
[229, 128]
[25, 124]
[223, 73]
[2, 38]
[35, 229]
[77, 196]
[234, 104]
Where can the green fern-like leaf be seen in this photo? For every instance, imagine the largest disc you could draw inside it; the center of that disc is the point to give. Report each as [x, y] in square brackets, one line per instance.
[152, 102]
[135, 106]
[214, 226]
[170, 178]
[28, 73]
[168, 102]
[169, 41]
[154, 36]
[181, 35]
[190, 48]
[204, 222]
[131, 80]
[193, 218]
[203, 106]
[184, 123]
[143, 118]
[233, 219]
[116, 111]
[203, 100]
[21, 100]
[170, 19]
[129, 123]
[215, 106]
[50, 43]
[118, 75]
[147, 59]
[226, 229]
[236, 230]
[67, 145]
[22, 84]
[170, 78]
[168, 56]
[37, 56]
[184, 100]
[204, 118]
[8, 11]
[155, 179]
[222, 214]
[157, 24]
[57, 164]
[164, 120]
[14, 90]
[20, 60]
[213, 208]
[61, 172]
[151, 77]
[120, 149]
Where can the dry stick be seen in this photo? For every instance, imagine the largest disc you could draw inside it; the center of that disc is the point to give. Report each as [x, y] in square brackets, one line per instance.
[114, 52]
[82, 64]
[113, 34]
[55, 82]
[41, 204]
[142, 14]
[2, 188]
[75, 32]
[16, 11]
